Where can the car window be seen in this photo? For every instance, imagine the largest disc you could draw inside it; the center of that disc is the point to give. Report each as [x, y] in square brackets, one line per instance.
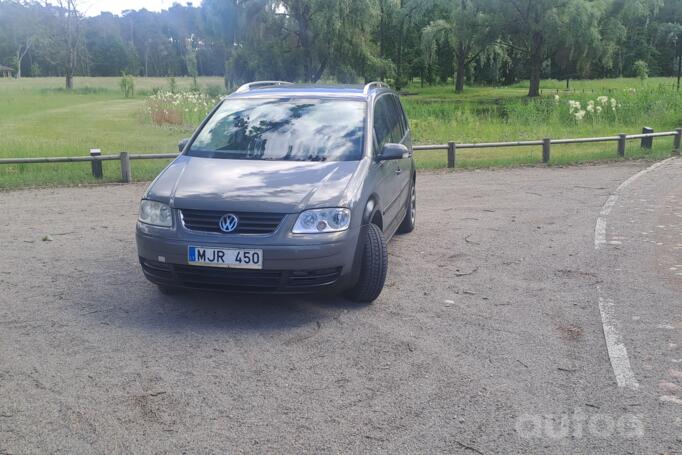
[381, 122]
[387, 124]
[396, 131]
[284, 129]
[401, 115]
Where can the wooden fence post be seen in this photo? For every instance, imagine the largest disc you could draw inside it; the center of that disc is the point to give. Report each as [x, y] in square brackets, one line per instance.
[622, 138]
[546, 146]
[647, 142]
[452, 150]
[677, 142]
[126, 175]
[96, 165]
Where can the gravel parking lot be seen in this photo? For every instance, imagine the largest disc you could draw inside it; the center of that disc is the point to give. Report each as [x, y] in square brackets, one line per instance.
[489, 325]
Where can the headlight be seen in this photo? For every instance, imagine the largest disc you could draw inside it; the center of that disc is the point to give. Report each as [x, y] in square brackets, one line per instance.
[155, 213]
[322, 220]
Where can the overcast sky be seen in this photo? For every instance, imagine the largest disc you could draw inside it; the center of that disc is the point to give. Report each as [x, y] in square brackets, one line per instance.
[94, 7]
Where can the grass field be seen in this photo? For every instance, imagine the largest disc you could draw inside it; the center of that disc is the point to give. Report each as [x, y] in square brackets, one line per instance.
[39, 118]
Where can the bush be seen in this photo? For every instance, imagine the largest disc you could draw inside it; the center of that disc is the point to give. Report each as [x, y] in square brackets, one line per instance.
[127, 85]
[641, 69]
[215, 91]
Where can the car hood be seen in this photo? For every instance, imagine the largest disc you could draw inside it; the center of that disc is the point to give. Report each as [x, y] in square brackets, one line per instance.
[254, 185]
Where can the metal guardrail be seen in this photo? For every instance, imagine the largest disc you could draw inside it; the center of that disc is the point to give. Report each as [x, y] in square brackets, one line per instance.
[451, 147]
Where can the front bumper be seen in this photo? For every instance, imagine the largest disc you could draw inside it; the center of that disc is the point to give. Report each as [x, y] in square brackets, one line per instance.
[303, 265]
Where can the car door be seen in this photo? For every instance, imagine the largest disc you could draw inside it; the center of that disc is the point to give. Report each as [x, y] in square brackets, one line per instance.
[388, 189]
[404, 172]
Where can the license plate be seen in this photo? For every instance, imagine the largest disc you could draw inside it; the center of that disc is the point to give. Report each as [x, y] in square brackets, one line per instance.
[225, 257]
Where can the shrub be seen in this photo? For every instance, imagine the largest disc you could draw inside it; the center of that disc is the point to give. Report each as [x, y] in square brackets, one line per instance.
[127, 85]
[641, 69]
[214, 91]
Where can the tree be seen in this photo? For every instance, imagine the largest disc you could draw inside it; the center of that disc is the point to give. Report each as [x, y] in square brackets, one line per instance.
[20, 24]
[490, 41]
[540, 28]
[467, 31]
[305, 39]
[67, 39]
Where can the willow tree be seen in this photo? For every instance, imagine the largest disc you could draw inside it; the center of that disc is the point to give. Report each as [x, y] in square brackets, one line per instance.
[540, 28]
[327, 35]
[467, 30]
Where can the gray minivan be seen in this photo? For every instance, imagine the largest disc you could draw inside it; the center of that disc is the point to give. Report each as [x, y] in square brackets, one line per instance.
[284, 188]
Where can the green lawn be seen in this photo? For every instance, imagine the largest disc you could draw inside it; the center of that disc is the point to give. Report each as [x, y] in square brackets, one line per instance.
[39, 118]
[488, 114]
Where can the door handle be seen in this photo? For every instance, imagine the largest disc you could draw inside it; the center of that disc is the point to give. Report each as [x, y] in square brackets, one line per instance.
[398, 171]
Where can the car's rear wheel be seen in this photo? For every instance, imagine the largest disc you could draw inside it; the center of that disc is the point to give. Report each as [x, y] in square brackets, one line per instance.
[373, 267]
[411, 213]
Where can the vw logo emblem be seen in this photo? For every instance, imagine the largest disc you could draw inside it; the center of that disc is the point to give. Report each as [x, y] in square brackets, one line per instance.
[228, 222]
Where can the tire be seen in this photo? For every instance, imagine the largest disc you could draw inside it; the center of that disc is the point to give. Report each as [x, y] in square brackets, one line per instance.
[410, 219]
[373, 267]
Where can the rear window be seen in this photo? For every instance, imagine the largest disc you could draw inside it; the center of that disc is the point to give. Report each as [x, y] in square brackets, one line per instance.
[290, 129]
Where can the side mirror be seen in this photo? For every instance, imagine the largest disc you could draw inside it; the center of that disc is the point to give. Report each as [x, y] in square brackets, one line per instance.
[182, 144]
[393, 152]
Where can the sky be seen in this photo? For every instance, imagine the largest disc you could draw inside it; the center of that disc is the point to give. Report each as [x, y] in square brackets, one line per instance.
[94, 7]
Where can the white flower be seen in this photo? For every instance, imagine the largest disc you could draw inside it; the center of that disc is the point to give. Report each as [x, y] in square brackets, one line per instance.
[573, 106]
[557, 98]
[598, 108]
[590, 106]
[580, 115]
[613, 102]
[603, 100]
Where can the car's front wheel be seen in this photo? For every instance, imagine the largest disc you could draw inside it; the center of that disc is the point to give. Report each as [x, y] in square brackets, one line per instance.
[372, 268]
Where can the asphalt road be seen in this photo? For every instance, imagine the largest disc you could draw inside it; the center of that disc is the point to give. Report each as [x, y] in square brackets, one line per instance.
[488, 338]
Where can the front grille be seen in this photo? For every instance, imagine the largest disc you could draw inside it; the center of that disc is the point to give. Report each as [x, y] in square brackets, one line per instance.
[249, 222]
[239, 280]
[228, 279]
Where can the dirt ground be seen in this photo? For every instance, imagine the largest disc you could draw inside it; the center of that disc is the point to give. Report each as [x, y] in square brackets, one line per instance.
[487, 337]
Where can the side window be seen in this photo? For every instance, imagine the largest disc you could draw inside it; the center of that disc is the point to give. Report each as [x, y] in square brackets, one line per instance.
[389, 126]
[400, 127]
[403, 117]
[381, 123]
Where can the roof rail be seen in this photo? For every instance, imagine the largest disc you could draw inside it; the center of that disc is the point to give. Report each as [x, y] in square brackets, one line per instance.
[260, 84]
[373, 84]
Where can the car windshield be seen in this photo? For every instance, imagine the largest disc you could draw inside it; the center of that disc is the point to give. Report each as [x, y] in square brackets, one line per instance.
[291, 129]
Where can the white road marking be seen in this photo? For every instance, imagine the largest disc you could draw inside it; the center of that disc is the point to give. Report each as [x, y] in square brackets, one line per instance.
[600, 228]
[618, 354]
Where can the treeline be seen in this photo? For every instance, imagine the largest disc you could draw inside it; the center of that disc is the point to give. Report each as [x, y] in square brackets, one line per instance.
[475, 41]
